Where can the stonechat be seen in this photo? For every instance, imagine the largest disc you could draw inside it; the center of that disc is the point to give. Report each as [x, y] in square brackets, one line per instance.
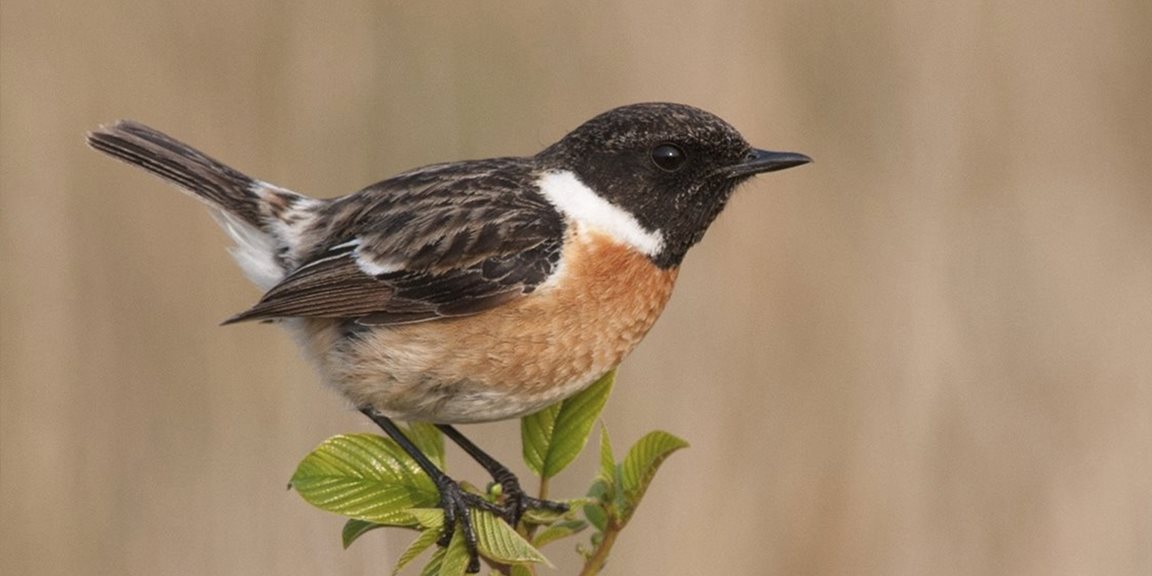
[477, 290]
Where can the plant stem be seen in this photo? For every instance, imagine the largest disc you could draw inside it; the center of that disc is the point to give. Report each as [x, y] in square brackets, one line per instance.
[596, 563]
[543, 495]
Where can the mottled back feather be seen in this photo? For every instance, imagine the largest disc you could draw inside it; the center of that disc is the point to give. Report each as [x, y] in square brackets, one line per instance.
[441, 241]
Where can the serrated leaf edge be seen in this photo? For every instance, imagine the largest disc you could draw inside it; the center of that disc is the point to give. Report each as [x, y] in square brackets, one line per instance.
[417, 547]
[498, 541]
[642, 463]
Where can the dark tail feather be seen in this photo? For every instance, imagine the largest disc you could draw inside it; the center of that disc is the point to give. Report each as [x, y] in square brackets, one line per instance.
[180, 164]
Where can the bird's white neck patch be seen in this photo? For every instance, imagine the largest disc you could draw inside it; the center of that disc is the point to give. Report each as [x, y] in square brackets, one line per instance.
[579, 202]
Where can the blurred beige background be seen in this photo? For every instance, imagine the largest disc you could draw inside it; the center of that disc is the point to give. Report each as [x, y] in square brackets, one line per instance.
[930, 352]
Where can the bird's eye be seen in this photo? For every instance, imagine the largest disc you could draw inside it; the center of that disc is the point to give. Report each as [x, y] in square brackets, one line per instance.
[668, 157]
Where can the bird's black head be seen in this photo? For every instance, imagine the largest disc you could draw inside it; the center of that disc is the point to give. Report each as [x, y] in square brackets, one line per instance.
[671, 166]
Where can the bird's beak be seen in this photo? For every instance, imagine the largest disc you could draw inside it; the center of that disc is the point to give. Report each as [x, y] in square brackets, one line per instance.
[758, 161]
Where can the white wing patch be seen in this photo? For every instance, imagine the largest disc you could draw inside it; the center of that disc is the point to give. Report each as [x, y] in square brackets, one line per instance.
[579, 202]
[374, 268]
[366, 265]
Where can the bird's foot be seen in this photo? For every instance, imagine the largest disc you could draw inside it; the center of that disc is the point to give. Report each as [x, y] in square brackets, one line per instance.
[456, 504]
[517, 502]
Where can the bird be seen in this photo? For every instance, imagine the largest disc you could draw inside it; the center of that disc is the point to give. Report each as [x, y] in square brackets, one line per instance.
[478, 290]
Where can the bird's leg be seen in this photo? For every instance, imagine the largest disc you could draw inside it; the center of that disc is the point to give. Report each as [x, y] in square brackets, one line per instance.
[517, 500]
[453, 499]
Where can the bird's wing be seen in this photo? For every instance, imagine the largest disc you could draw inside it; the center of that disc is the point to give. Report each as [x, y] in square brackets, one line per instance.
[445, 241]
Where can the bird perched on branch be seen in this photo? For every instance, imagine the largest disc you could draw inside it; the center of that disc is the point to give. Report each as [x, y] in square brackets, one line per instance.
[478, 290]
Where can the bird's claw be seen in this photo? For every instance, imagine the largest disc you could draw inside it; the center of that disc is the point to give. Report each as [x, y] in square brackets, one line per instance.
[456, 503]
[517, 502]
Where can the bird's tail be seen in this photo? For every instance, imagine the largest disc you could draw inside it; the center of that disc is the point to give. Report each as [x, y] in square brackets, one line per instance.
[176, 162]
[260, 217]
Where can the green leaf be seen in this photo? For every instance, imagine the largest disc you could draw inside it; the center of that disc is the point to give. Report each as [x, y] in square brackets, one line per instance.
[641, 464]
[365, 477]
[455, 555]
[498, 541]
[428, 438]
[557, 531]
[595, 513]
[607, 458]
[427, 517]
[354, 529]
[422, 542]
[554, 436]
[519, 570]
[432, 568]
[607, 474]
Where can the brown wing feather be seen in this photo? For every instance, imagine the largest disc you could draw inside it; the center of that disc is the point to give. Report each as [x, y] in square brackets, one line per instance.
[450, 240]
[334, 288]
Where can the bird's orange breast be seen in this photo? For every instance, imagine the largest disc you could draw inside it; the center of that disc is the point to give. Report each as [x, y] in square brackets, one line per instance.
[511, 360]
